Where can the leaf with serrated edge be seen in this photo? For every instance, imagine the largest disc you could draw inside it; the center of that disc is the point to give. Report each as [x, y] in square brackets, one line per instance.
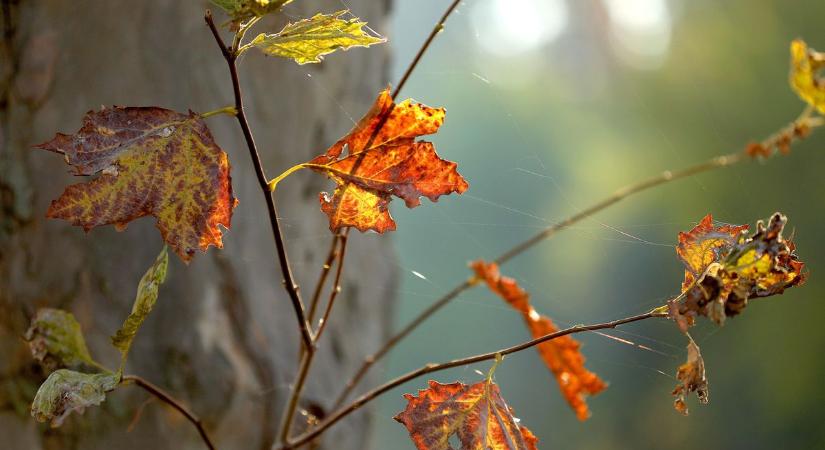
[383, 159]
[476, 414]
[147, 295]
[240, 10]
[56, 340]
[561, 355]
[65, 391]
[705, 244]
[148, 161]
[308, 40]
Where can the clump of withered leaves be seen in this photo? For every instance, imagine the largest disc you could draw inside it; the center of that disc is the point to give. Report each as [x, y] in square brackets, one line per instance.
[724, 269]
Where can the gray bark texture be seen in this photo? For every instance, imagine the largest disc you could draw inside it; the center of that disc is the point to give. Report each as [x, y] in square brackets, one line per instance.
[223, 337]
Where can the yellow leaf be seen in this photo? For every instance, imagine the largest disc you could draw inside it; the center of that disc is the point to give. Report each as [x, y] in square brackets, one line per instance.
[241, 10]
[308, 40]
[805, 63]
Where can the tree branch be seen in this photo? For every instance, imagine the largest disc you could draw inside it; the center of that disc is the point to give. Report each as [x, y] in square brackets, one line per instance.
[785, 135]
[336, 286]
[339, 414]
[288, 280]
[173, 402]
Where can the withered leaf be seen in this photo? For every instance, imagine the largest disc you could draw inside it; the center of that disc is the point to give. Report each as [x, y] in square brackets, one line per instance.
[383, 159]
[759, 265]
[148, 161]
[65, 391]
[561, 355]
[691, 376]
[703, 245]
[804, 78]
[476, 414]
[56, 340]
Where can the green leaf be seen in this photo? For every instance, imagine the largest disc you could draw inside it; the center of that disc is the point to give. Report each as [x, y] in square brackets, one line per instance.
[241, 10]
[147, 296]
[306, 41]
[66, 391]
[55, 339]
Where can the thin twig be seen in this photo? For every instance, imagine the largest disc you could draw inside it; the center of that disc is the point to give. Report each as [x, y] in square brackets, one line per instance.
[336, 286]
[339, 414]
[288, 280]
[804, 120]
[288, 414]
[322, 279]
[173, 402]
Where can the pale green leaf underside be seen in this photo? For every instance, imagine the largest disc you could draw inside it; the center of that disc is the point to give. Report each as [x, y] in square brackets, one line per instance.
[308, 40]
[66, 391]
[56, 340]
[147, 295]
[247, 9]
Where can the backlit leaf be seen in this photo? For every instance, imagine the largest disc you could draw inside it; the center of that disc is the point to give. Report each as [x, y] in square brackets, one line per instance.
[308, 40]
[148, 161]
[66, 391]
[56, 340]
[383, 159]
[147, 295]
[691, 376]
[703, 245]
[561, 355]
[476, 414]
[240, 10]
[804, 78]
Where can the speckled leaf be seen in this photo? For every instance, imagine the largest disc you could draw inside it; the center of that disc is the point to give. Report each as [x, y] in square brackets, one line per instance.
[561, 355]
[383, 159]
[705, 244]
[56, 340]
[148, 161]
[147, 295]
[66, 391]
[804, 78]
[308, 40]
[476, 414]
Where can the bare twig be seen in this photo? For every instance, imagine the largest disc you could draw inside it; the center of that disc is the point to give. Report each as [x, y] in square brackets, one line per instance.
[173, 402]
[339, 414]
[322, 278]
[336, 286]
[784, 135]
[229, 54]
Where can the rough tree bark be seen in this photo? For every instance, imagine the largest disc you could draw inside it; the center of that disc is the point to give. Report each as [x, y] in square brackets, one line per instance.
[223, 336]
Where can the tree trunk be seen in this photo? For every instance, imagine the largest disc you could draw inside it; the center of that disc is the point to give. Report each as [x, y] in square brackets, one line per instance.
[223, 337]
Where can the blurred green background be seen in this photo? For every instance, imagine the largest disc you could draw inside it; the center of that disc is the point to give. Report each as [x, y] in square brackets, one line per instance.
[552, 105]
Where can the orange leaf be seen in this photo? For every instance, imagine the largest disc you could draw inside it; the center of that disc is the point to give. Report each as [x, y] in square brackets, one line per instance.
[703, 245]
[149, 161]
[476, 414]
[691, 376]
[561, 355]
[383, 159]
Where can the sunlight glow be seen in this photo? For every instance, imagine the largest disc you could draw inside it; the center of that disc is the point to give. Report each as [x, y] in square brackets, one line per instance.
[512, 27]
[640, 31]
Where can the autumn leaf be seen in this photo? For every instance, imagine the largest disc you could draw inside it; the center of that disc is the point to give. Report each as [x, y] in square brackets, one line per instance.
[733, 271]
[240, 10]
[308, 40]
[561, 355]
[65, 391]
[55, 339]
[804, 78]
[383, 159]
[148, 161]
[476, 414]
[691, 376]
[147, 295]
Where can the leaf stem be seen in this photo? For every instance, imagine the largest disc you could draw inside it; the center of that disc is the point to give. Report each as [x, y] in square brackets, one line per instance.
[273, 183]
[286, 271]
[229, 110]
[339, 414]
[173, 402]
[804, 120]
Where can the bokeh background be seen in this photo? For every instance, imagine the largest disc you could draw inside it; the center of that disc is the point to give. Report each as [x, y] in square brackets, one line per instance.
[552, 105]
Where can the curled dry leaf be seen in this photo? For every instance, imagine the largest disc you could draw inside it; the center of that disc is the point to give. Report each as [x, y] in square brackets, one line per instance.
[476, 414]
[691, 376]
[148, 161]
[726, 268]
[308, 40]
[66, 391]
[56, 340]
[561, 355]
[804, 78]
[384, 159]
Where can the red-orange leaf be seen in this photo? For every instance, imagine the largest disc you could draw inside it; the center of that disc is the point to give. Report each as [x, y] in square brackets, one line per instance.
[561, 355]
[383, 159]
[148, 161]
[476, 414]
[703, 245]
